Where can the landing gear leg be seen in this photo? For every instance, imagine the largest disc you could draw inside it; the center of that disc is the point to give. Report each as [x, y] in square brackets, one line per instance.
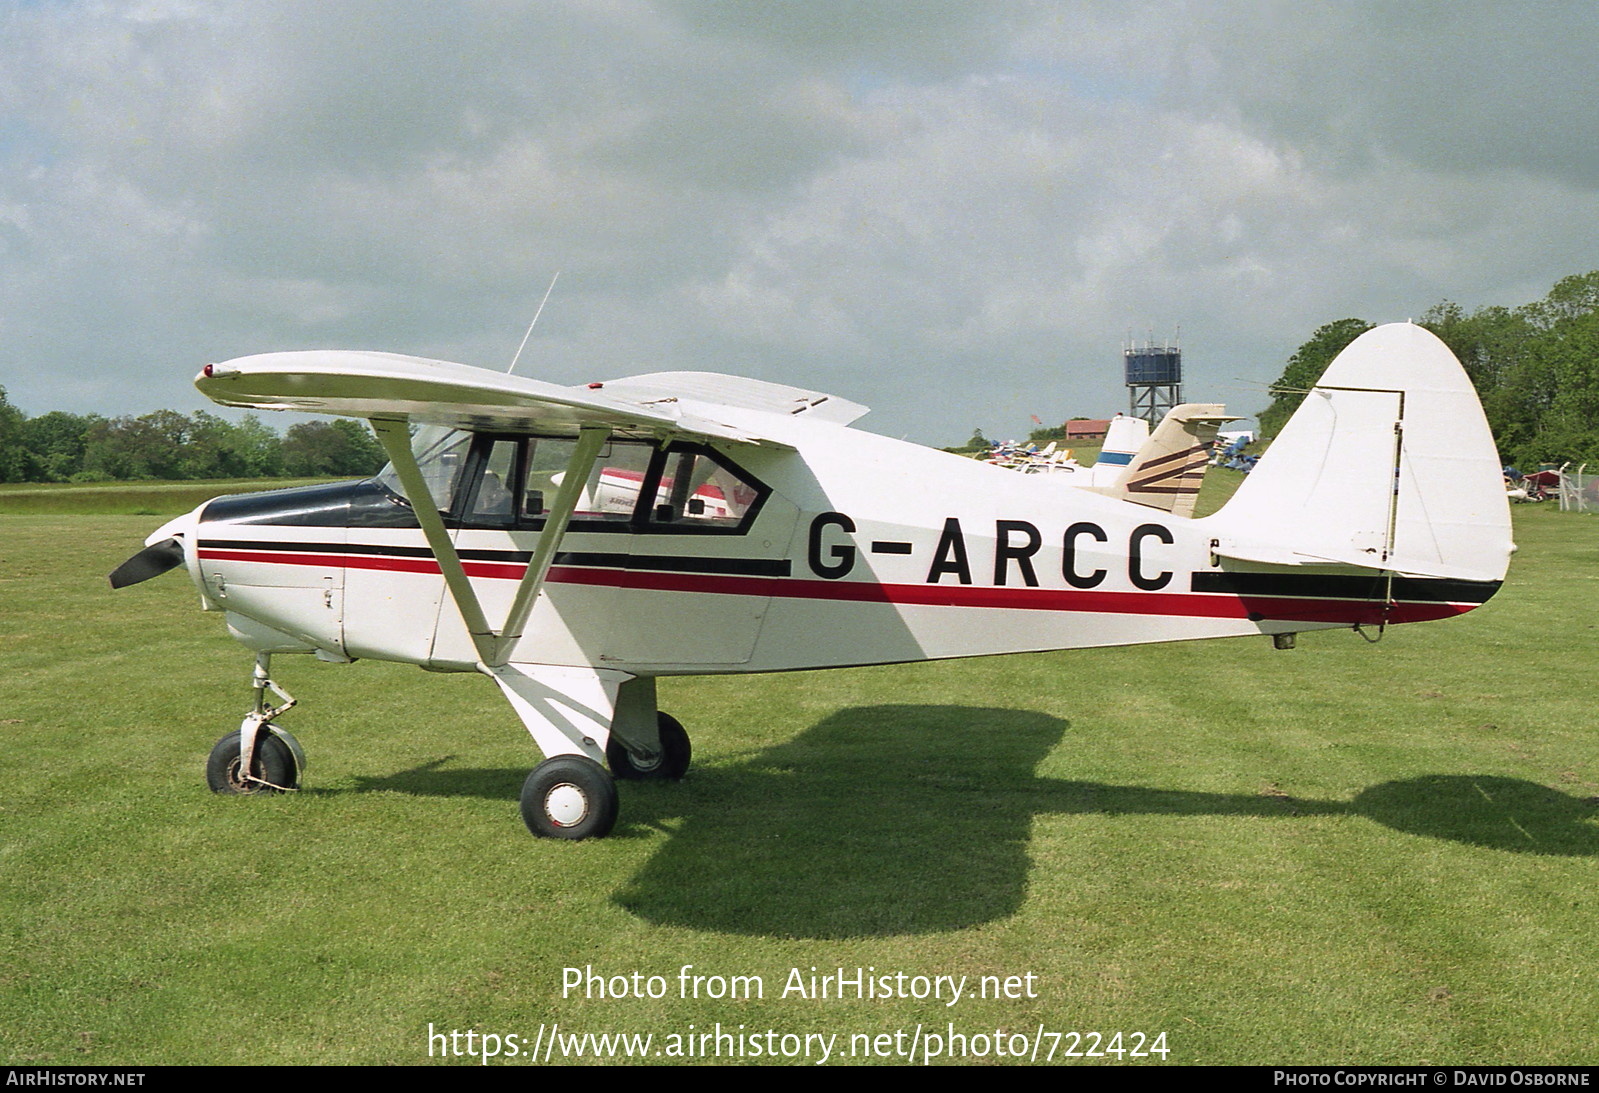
[569, 711]
[259, 757]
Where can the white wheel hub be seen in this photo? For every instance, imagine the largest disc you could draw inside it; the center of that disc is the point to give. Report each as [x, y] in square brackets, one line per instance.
[566, 805]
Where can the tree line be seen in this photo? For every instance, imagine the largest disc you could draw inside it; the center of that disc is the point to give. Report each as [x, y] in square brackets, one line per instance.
[1535, 367]
[63, 447]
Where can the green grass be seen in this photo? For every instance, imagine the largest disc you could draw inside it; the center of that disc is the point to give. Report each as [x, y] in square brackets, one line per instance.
[1086, 452]
[128, 498]
[1344, 853]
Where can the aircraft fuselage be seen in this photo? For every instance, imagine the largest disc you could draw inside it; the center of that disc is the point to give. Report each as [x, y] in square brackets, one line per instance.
[852, 549]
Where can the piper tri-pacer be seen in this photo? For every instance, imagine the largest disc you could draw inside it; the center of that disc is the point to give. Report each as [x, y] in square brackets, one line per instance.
[574, 544]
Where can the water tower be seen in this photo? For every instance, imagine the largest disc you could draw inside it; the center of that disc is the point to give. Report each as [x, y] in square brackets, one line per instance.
[1154, 379]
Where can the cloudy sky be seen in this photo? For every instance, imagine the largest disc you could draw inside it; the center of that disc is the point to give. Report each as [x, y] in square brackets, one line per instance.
[954, 212]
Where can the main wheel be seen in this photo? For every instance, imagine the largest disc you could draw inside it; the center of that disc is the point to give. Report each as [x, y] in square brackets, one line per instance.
[669, 764]
[274, 763]
[569, 797]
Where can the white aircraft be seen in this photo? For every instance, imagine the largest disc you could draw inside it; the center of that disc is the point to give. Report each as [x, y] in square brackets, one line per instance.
[1163, 469]
[574, 544]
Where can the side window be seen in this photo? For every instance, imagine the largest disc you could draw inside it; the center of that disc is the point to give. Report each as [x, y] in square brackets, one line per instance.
[611, 493]
[697, 490]
[494, 500]
[511, 482]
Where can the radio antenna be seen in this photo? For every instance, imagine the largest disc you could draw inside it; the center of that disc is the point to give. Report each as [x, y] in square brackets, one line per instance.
[534, 323]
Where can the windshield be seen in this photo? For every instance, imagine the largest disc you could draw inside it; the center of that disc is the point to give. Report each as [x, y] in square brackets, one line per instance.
[440, 451]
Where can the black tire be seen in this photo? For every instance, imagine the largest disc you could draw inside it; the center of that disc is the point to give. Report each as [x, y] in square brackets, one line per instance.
[670, 765]
[569, 797]
[274, 762]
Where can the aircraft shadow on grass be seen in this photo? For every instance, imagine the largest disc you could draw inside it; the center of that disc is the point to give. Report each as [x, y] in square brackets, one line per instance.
[894, 820]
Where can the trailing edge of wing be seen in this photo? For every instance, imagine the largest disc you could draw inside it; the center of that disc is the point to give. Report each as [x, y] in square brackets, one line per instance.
[386, 385]
[714, 389]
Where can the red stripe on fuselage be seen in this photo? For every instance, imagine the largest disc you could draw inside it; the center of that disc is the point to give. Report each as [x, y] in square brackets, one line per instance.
[1209, 605]
[327, 561]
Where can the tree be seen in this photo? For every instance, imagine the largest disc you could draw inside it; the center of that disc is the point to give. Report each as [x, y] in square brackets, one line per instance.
[55, 443]
[1493, 343]
[363, 455]
[206, 448]
[13, 451]
[129, 447]
[1305, 368]
[1535, 367]
[1568, 429]
[256, 449]
[343, 447]
[1572, 298]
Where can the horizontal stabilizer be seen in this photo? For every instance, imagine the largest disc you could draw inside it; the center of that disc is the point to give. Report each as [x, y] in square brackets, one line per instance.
[1272, 555]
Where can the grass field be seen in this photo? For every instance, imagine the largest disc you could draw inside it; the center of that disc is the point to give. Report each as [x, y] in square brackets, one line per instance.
[127, 498]
[1344, 853]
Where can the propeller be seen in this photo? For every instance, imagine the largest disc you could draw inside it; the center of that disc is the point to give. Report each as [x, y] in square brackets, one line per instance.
[152, 561]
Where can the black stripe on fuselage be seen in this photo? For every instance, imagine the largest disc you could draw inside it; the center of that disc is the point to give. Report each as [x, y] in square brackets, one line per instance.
[665, 563]
[1347, 586]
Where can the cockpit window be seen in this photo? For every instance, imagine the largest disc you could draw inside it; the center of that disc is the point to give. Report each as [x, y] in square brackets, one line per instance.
[440, 455]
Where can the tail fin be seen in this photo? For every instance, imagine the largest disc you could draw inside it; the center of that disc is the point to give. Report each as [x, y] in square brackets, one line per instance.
[1167, 471]
[1122, 440]
[1389, 465]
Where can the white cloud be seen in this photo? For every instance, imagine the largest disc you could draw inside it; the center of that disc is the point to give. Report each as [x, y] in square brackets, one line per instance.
[954, 212]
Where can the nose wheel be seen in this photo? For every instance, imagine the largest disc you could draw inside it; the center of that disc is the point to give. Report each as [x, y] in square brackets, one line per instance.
[274, 767]
[258, 757]
[569, 797]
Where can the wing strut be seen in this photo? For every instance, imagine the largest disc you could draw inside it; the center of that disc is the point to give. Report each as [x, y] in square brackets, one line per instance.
[396, 440]
[493, 650]
[590, 439]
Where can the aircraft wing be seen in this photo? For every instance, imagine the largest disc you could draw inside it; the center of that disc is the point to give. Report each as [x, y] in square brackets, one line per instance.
[389, 385]
[710, 389]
